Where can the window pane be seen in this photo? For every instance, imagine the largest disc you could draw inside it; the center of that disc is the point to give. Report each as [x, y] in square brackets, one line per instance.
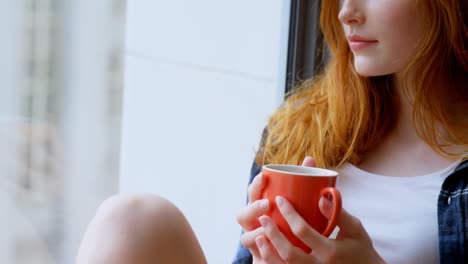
[59, 123]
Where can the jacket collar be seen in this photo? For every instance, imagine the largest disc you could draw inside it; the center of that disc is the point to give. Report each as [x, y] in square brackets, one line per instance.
[462, 166]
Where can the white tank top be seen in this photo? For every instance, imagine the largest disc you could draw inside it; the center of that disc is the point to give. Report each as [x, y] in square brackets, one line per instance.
[399, 213]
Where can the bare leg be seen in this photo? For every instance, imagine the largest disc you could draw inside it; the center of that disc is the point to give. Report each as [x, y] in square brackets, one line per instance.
[139, 229]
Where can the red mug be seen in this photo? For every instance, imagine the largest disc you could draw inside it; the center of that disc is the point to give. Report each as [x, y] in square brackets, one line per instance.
[303, 187]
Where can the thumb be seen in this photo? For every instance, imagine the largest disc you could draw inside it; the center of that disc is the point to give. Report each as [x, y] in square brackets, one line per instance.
[351, 226]
[308, 161]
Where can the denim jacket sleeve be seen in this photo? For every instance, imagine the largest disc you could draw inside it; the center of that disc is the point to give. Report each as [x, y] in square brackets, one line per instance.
[453, 217]
[243, 255]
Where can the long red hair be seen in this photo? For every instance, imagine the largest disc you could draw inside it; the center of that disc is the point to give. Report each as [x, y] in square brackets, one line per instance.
[338, 115]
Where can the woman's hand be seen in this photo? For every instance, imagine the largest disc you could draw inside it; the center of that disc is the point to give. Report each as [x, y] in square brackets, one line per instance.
[352, 245]
[248, 217]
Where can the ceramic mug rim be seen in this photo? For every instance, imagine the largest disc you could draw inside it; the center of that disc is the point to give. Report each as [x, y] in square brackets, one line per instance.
[296, 170]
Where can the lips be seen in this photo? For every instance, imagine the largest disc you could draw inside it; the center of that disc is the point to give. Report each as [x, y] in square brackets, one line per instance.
[357, 42]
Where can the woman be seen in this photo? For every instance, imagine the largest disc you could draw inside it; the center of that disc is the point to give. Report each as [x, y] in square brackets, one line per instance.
[388, 112]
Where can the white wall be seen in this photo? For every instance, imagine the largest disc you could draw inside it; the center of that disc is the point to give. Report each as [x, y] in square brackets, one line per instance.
[201, 79]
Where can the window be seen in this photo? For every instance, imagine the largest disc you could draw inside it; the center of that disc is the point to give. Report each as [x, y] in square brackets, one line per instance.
[59, 123]
[306, 45]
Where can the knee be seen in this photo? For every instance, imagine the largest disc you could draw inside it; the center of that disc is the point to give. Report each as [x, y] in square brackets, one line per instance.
[137, 209]
[140, 215]
[129, 227]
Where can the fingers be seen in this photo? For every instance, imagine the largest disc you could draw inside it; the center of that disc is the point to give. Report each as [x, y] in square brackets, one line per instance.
[266, 251]
[247, 216]
[326, 207]
[308, 161]
[299, 226]
[255, 188]
[284, 248]
[248, 240]
[351, 226]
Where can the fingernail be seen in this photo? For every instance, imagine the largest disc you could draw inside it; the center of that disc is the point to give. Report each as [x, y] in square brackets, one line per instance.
[279, 200]
[327, 201]
[263, 221]
[264, 204]
[259, 242]
[259, 177]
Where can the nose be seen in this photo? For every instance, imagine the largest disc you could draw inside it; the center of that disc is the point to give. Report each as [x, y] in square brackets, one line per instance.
[351, 13]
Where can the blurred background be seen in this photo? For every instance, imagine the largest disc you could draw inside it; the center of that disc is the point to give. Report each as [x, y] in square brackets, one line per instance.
[61, 83]
[115, 96]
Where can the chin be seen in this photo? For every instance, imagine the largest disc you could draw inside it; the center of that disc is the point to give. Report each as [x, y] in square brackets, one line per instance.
[368, 73]
[369, 70]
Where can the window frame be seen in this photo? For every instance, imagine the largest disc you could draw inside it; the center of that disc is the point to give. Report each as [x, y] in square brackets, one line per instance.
[305, 56]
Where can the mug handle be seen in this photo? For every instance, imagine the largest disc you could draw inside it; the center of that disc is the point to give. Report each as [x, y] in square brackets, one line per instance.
[336, 195]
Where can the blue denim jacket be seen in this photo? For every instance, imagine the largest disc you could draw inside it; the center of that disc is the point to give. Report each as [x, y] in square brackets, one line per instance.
[452, 213]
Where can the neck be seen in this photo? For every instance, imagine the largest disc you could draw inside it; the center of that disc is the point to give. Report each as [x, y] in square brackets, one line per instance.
[404, 128]
[402, 144]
